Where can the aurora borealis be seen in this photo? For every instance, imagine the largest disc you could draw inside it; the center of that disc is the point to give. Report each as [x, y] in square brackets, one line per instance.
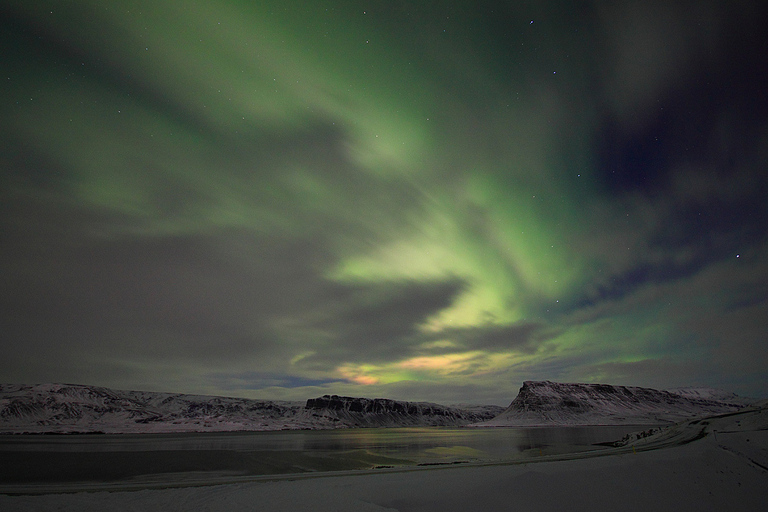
[413, 200]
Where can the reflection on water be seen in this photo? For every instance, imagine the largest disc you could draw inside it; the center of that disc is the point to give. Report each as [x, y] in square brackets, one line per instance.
[400, 441]
[108, 457]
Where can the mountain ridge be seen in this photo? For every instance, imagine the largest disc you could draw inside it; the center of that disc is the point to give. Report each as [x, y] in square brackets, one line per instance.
[67, 408]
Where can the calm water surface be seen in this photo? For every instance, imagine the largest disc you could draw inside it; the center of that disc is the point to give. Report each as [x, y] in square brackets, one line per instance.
[108, 457]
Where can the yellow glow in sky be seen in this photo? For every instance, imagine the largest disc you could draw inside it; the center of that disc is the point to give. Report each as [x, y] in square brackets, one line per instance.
[474, 362]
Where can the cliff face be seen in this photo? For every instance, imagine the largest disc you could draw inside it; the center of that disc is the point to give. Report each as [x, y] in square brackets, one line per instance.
[552, 403]
[367, 412]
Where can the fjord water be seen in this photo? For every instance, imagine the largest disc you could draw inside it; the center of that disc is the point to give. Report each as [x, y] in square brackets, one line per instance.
[134, 457]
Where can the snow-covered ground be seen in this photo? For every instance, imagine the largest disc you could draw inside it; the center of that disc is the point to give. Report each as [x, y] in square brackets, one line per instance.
[717, 463]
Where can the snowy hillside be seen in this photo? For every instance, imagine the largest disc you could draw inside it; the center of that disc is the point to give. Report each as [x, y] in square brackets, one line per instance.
[552, 403]
[60, 408]
[711, 394]
[75, 408]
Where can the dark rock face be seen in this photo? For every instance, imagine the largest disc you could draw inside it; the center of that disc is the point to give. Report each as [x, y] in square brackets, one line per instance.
[548, 402]
[554, 395]
[364, 412]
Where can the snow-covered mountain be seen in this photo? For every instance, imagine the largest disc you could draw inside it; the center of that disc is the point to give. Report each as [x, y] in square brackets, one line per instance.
[59, 408]
[552, 403]
[65, 408]
[76, 408]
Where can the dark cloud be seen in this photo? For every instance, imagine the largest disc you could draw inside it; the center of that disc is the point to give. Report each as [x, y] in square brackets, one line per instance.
[247, 381]
[523, 337]
[378, 322]
[203, 297]
[662, 373]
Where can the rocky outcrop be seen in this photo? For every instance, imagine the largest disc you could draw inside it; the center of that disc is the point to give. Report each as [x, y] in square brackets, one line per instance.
[553, 403]
[368, 412]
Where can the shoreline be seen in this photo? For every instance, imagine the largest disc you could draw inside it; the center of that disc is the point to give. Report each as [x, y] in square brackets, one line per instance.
[715, 463]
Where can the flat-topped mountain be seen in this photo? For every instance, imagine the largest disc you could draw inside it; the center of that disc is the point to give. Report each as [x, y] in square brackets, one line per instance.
[373, 412]
[553, 403]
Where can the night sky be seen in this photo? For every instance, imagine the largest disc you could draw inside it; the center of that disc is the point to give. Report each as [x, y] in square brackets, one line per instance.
[413, 200]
